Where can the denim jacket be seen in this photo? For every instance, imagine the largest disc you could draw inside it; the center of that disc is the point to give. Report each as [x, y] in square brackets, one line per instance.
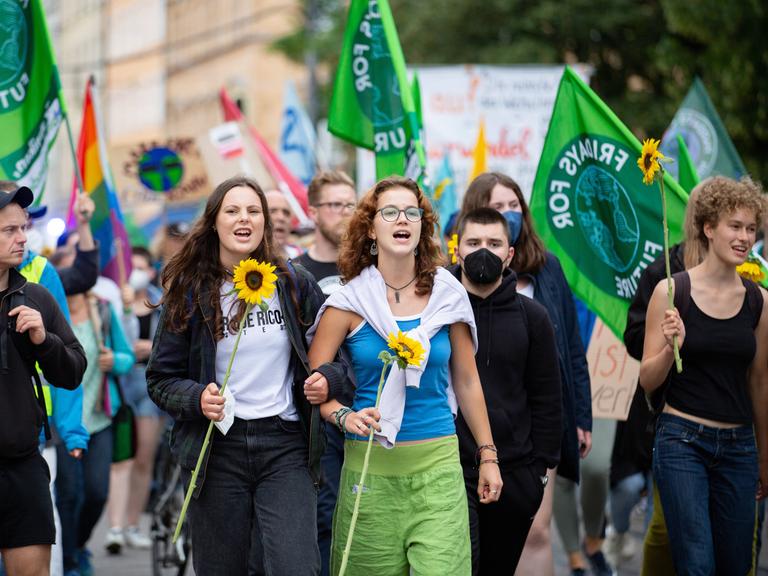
[552, 291]
[182, 364]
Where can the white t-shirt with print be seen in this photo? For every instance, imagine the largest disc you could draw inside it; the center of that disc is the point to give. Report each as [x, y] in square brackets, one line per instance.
[261, 377]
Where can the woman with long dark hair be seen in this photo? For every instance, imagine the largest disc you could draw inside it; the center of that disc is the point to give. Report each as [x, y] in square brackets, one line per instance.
[413, 511]
[257, 486]
[710, 454]
[539, 276]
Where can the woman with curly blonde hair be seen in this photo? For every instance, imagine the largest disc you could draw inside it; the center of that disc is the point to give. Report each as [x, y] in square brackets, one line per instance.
[414, 507]
[710, 455]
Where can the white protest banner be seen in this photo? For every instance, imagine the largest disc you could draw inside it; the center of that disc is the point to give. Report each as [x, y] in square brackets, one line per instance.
[515, 103]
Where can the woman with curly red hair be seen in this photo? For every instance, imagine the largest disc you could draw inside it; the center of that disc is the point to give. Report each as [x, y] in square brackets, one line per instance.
[414, 508]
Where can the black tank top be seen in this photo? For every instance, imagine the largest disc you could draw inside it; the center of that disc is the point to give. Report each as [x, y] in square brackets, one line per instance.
[716, 356]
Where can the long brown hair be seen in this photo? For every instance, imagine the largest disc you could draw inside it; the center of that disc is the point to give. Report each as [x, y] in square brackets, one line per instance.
[196, 269]
[355, 249]
[530, 254]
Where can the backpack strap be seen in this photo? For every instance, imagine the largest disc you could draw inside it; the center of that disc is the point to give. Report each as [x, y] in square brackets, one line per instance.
[682, 298]
[754, 301]
[18, 298]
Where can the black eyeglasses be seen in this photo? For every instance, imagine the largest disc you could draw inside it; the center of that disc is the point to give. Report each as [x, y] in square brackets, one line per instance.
[392, 213]
[337, 207]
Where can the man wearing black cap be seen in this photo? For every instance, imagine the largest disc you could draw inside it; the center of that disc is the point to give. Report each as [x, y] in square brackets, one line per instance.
[32, 330]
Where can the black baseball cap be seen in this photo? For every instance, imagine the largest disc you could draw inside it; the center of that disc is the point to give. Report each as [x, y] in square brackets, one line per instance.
[22, 196]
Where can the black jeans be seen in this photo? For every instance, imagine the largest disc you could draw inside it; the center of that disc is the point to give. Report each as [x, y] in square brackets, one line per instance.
[498, 531]
[257, 473]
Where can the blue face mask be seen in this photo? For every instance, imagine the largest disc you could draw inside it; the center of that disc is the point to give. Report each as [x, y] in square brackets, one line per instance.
[515, 223]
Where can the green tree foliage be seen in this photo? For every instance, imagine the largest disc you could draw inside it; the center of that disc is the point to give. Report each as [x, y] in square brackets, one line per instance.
[645, 53]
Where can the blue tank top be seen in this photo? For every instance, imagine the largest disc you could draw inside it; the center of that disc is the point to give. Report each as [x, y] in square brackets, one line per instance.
[427, 413]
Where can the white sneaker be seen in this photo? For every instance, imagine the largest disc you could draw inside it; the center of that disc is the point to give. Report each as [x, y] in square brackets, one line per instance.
[620, 548]
[135, 539]
[114, 541]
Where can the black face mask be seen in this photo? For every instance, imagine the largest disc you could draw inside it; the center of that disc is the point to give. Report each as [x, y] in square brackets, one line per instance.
[482, 266]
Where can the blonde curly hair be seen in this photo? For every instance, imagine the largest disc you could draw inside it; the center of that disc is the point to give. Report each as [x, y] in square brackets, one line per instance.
[720, 197]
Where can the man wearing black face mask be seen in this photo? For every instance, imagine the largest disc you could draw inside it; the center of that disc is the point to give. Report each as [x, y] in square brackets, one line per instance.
[517, 362]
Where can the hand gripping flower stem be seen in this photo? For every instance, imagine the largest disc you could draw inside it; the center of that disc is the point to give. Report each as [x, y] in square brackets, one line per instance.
[670, 287]
[650, 163]
[254, 281]
[408, 351]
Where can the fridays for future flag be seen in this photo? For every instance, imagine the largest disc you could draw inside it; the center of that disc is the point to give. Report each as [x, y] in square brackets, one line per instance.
[31, 102]
[705, 136]
[591, 207]
[372, 104]
[107, 223]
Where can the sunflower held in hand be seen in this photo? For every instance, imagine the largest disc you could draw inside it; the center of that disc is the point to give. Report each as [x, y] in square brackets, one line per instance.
[254, 281]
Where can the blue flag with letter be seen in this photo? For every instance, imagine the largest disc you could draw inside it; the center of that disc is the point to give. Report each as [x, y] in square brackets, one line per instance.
[297, 137]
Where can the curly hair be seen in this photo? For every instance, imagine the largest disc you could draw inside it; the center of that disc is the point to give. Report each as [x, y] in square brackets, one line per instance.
[720, 197]
[354, 252]
[530, 254]
[196, 272]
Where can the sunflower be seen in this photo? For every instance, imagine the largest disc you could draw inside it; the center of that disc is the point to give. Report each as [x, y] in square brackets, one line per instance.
[751, 270]
[408, 350]
[453, 246]
[650, 160]
[254, 281]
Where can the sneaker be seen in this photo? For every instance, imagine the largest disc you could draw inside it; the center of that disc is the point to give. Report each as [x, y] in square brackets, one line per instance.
[84, 565]
[619, 548]
[135, 539]
[114, 541]
[599, 564]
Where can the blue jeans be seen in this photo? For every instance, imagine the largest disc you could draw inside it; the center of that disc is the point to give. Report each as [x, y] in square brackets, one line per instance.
[259, 473]
[707, 479]
[625, 496]
[332, 461]
[82, 487]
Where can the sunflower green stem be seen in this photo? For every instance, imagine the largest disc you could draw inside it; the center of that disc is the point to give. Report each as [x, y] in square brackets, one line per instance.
[207, 439]
[670, 286]
[387, 359]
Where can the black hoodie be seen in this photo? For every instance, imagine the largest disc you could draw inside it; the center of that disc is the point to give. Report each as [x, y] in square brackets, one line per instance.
[517, 362]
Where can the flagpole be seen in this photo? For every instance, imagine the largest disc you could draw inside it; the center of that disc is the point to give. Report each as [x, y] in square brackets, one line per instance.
[78, 175]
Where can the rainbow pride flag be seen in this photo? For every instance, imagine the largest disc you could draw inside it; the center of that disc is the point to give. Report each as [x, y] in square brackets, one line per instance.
[107, 224]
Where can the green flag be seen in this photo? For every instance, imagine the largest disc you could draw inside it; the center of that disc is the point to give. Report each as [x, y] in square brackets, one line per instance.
[686, 172]
[414, 168]
[31, 102]
[705, 136]
[372, 104]
[590, 205]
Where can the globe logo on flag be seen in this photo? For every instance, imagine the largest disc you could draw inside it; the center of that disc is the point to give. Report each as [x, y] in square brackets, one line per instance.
[607, 218]
[14, 52]
[700, 138]
[160, 169]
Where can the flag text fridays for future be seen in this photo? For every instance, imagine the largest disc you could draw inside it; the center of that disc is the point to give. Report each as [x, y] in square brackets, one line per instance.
[372, 103]
[590, 205]
[107, 223]
[31, 102]
[706, 138]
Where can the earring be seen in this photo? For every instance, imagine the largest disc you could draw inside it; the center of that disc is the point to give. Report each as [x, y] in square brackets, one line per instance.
[416, 251]
[374, 249]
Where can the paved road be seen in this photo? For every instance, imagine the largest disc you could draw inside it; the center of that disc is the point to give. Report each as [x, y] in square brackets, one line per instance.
[138, 563]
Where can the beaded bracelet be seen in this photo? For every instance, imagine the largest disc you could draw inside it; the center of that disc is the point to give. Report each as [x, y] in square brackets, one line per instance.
[338, 415]
[489, 461]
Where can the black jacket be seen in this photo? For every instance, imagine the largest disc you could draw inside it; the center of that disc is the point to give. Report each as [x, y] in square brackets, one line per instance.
[60, 357]
[517, 362]
[182, 364]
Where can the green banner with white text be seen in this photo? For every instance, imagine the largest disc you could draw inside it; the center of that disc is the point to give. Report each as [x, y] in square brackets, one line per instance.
[372, 104]
[31, 103]
[590, 205]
